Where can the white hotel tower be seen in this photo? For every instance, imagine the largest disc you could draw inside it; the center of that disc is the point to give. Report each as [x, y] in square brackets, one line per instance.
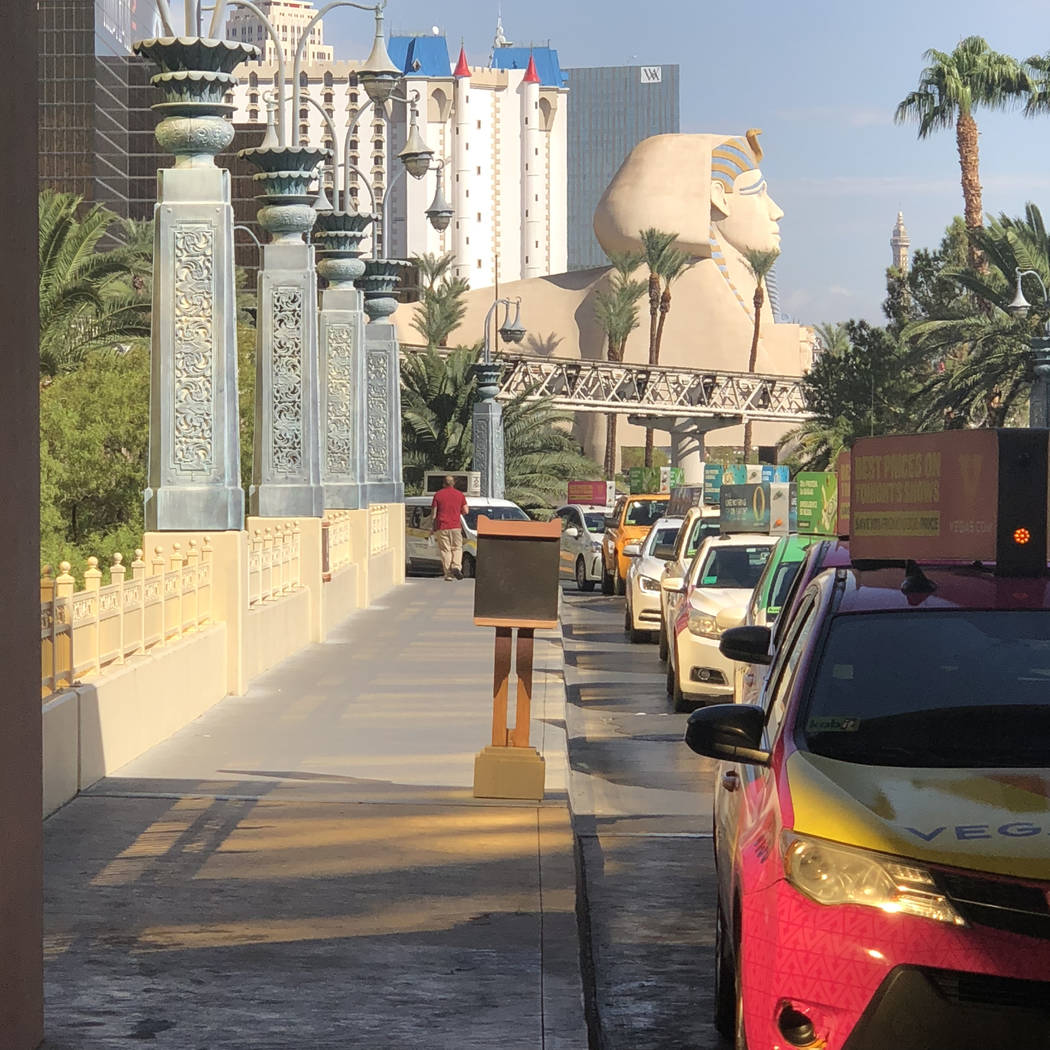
[500, 129]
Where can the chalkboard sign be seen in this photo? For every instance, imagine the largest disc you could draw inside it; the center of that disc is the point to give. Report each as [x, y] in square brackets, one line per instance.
[517, 573]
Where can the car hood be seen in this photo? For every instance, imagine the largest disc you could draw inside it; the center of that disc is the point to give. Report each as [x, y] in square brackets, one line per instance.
[984, 820]
[651, 567]
[714, 599]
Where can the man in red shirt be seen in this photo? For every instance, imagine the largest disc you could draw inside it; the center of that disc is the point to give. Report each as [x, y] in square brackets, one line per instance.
[448, 504]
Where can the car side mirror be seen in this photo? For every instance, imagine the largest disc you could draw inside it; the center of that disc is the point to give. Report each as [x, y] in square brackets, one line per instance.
[632, 550]
[663, 551]
[572, 532]
[729, 732]
[747, 644]
[610, 521]
[674, 584]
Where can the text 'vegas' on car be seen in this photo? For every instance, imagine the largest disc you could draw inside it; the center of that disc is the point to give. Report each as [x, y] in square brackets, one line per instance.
[698, 523]
[718, 585]
[582, 529]
[421, 551]
[642, 607]
[631, 519]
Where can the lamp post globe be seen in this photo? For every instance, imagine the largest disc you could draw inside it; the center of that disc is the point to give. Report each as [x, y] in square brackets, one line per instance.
[378, 76]
[513, 331]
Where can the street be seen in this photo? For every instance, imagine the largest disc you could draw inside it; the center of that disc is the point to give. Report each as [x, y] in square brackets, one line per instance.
[643, 825]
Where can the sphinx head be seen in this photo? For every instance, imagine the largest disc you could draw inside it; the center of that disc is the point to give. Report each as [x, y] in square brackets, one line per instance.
[693, 185]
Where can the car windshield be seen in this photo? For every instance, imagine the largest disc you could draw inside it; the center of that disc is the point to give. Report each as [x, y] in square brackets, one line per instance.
[665, 535]
[947, 689]
[702, 528]
[737, 566]
[594, 520]
[644, 511]
[494, 513]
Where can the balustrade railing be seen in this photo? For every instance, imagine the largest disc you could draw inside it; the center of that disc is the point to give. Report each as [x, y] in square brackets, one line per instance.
[335, 543]
[378, 529]
[274, 562]
[85, 632]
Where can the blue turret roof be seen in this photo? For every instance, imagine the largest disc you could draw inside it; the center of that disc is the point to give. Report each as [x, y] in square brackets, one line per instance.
[421, 56]
[546, 59]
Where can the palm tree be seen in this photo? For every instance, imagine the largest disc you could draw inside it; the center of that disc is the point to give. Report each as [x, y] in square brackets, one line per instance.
[87, 299]
[616, 309]
[437, 400]
[832, 337]
[441, 305]
[759, 262]
[662, 258]
[983, 378]
[950, 88]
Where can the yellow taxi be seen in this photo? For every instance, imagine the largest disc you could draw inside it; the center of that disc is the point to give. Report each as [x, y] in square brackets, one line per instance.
[630, 521]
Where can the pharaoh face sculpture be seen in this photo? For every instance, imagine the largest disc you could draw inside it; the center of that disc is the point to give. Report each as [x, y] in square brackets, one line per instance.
[697, 186]
[742, 212]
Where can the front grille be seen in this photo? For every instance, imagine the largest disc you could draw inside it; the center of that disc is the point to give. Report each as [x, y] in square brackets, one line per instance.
[1003, 904]
[1000, 993]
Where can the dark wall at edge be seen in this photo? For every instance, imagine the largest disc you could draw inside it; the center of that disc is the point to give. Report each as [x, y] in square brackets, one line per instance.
[21, 831]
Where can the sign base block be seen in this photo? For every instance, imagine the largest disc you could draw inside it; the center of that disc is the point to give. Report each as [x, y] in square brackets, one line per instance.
[509, 772]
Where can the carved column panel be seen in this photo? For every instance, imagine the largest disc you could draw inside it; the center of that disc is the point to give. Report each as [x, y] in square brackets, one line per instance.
[487, 423]
[383, 414]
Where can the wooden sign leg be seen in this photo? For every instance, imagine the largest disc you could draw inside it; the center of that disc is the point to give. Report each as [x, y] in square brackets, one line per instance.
[519, 735]
[500, 686]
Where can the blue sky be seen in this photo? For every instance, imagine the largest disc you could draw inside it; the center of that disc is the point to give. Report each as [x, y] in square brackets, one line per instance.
[822, 79]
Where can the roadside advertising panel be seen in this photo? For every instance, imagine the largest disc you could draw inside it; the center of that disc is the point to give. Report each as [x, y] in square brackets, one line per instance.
[842, 469]
[716, 475]
[653, 479]
[925, 496]
[768, 508]
[592, 493]
[818, 501]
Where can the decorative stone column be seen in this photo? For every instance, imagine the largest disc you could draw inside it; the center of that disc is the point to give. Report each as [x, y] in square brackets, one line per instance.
[487, 421]
[382, 384]
[194, 447]
[341, 344]
[286, 467]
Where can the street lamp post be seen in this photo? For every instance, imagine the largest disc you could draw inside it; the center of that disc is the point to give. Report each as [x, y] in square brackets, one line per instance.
[487, 416]
[1039, 348]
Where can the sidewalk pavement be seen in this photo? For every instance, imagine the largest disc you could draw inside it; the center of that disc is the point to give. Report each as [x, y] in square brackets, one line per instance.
[305, 866]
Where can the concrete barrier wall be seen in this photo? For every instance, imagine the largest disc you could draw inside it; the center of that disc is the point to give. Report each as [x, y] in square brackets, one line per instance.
[274, 630]
[93, 729]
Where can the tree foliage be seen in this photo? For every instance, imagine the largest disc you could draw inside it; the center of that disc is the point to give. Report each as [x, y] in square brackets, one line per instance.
[438, 394]
[89, 298]
[442, 302]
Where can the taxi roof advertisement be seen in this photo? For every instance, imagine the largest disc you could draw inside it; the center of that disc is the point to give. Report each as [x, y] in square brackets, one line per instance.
[925, 496]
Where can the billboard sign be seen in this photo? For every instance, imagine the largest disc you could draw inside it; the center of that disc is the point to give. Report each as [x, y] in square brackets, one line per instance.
[593, 493]
[769, 508]
[818, 502]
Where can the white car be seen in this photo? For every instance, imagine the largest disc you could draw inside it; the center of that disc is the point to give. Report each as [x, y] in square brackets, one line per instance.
[717, 589]
[421, 550]
[697, 524]
[582, 528]
[642, 616]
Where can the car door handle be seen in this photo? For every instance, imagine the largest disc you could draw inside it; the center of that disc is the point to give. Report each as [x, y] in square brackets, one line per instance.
[730, 780]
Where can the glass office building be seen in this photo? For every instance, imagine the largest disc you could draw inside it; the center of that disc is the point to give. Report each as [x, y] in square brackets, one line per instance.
[611, 109]
[96, 127]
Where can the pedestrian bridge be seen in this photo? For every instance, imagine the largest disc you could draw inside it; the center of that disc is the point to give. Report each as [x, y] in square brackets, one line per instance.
[652, 390]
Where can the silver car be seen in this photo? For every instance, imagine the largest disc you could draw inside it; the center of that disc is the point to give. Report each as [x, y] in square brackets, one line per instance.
[648, 557]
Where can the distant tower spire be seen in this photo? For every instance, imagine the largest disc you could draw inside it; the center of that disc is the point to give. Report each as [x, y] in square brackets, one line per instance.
[900, 244]
[500, 39]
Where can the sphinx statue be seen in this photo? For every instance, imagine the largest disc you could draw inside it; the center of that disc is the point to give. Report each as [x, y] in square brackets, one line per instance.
[710, 191]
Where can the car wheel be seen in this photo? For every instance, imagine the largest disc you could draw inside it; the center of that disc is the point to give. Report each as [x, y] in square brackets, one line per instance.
[620, 584]
[607, 581]
[725, 980]
[670, 679]
[582, 583]
[468, 567]
[661, 641]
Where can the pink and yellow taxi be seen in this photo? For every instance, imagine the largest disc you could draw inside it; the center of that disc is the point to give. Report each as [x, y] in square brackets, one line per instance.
[882, 813]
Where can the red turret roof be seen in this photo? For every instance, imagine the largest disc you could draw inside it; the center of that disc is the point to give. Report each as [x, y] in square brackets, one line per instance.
[531, 76]
[462, 69]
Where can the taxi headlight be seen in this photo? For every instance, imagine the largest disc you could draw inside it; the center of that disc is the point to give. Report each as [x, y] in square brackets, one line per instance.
[647, 583]
[831, 874]
[702, 624]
